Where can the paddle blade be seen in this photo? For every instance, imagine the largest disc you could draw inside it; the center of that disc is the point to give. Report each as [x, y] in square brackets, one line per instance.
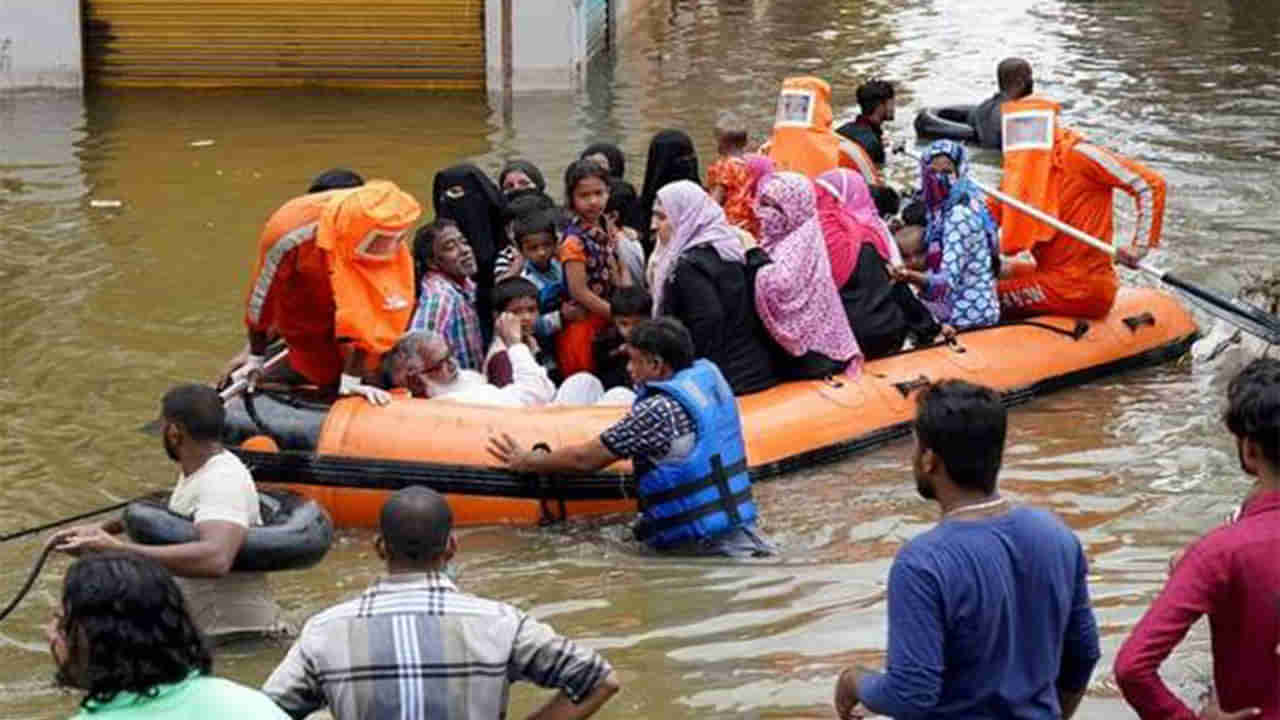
[1239, 313]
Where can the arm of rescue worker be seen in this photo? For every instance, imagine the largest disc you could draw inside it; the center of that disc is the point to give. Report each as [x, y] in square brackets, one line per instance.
[1186, 597]
[586, 457]
[210, 555]
[1145, 186]
[352, 381]
[294, 685]
[585, 680]
[911, 684]
[1080, 650]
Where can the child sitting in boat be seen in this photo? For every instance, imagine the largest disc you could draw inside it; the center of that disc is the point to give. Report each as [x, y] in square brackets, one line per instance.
[591, 266]
[728, 178]
[627, 307]
[535, 238]
[518, 297]
[621, 206]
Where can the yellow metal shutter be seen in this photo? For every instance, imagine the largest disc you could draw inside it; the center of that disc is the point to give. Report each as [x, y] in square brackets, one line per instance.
[435, 44]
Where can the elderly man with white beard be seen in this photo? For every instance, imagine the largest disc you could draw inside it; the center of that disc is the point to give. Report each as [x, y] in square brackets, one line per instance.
[423, 363]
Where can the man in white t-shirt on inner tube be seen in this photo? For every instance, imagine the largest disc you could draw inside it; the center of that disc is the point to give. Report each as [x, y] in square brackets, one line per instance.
[216, 492]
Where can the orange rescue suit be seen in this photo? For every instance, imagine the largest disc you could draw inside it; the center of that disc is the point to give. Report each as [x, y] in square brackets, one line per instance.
[1056, 170]
[803, 139]
[317, 287]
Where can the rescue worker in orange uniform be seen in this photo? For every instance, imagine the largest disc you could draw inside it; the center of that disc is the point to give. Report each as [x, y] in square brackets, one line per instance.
[1056, 170]
[334, 279]
[803, 139]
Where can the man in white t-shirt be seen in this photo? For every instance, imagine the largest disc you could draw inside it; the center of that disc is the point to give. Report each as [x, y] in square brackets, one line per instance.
[216, 491]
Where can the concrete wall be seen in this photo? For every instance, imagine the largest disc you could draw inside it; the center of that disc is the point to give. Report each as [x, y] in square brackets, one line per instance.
[547, 43]
[40, 44]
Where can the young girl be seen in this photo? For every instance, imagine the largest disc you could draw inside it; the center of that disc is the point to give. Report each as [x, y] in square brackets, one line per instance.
[591, 266]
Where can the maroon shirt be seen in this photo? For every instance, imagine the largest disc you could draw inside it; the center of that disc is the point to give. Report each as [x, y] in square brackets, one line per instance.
[1233, 575]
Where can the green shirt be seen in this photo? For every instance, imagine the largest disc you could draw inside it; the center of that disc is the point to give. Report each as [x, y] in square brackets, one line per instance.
[196, 698]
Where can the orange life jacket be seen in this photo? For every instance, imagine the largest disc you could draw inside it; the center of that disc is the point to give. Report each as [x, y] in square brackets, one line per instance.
[803, 140]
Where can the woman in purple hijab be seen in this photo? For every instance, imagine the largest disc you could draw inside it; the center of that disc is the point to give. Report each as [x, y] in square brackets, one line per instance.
[700, 276]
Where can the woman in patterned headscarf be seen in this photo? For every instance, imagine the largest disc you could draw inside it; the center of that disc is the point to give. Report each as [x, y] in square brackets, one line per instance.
[962, 252]
[795, 294]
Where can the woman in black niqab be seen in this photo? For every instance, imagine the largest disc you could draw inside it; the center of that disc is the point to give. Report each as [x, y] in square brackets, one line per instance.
[671, 158]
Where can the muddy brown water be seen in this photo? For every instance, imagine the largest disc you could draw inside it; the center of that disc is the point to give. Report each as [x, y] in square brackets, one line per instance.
[101, 309]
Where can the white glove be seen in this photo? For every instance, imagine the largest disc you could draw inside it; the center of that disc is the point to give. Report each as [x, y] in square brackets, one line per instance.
[252, 364]
[352, 385]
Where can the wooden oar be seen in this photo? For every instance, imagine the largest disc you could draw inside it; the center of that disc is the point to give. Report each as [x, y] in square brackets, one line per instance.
[231, 390]
[1252, 320]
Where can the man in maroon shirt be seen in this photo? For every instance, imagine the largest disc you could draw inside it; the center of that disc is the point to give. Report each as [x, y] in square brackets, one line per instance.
[1232, 574]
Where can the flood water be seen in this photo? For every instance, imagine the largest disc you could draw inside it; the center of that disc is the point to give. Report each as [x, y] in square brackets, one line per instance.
[102, 309]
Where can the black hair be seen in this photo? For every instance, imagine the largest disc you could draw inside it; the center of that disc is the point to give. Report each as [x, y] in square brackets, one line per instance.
[1253, 407]
[424, 247]
[667, 338]
[127, 628]
[512, 289]
[542, 221]
[886, 199]
[1013, 71]
[914, 214]
[578, 171]
[622, 200]
[335, 179]
[872, 93]
[965, 425]
[630, 301]
[415, 523]
[198, 409]
[617, 161]
[526, 202]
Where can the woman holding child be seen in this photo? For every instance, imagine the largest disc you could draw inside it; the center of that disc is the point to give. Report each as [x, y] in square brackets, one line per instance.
[701, 278]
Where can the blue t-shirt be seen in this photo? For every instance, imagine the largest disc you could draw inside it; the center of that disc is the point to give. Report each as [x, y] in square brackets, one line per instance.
[987, 618]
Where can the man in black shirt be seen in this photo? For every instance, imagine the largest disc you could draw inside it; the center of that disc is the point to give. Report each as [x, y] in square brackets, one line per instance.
[1014, 77]
[875, 99]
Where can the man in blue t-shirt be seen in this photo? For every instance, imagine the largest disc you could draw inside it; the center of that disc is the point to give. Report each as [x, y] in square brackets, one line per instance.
[989, 613]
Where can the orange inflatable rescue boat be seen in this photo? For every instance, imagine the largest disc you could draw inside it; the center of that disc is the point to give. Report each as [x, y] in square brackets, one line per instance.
[350, 455]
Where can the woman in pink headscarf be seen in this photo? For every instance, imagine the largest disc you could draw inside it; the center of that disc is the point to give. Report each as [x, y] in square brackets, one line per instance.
[795, 295]
[701, 278]
[881, 313]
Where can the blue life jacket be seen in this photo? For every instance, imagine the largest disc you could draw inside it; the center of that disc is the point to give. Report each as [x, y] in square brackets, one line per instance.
[708, 493]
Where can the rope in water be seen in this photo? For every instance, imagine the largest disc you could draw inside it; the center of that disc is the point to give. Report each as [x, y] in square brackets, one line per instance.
[31, 580]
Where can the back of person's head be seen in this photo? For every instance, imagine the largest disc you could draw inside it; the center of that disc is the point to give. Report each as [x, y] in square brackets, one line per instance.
[666, 338]
[580, 170]
[914, 214]
[1014, 74]
[197, 409]
[528, 202]
[730, 130]
[534, 223]
[126, 628]
[622, 200]
[415, 524]
[1253, 408]
[630, 301]
[872, 93]
[335, 179]
[886, 199]
[964, 425]
[512, 289]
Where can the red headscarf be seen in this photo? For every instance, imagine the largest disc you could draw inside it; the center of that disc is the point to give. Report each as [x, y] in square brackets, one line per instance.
[849, 220]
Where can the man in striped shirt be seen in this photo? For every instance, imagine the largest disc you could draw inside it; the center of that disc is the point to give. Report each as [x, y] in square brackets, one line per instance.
[447, 294]
[414, 646]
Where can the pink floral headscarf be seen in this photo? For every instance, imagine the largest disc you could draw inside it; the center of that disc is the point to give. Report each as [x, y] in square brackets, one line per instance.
[696, 220]
[760, 167]
[795, 295]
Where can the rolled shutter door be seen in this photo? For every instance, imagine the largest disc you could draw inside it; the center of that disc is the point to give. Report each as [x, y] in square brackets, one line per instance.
[436, 44]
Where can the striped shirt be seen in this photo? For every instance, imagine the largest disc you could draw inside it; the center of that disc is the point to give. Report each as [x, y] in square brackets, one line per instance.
[415, 647]
[450, 309]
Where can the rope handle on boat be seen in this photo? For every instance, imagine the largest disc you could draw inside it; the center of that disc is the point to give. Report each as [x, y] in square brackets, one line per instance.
[31, 580]
[1136, 321]
[544, 484]
[906, 387]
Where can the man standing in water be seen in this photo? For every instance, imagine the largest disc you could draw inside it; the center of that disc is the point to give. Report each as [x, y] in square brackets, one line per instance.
[1013, 76]
[415, 646]
[684, 438]
[1232, 575]
[989, 612]
[216, 491]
